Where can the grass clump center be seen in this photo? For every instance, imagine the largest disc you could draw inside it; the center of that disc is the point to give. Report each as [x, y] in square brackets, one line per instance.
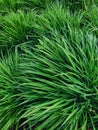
[48, 65]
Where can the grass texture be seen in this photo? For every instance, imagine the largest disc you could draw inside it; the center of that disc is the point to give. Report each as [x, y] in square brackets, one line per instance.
[48, 65]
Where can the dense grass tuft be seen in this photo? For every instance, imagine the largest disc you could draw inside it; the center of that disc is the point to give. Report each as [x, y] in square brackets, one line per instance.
[61, 83]
[9, 108]
[56, 18]
[48, 65]
[91, 17]
[18, 28]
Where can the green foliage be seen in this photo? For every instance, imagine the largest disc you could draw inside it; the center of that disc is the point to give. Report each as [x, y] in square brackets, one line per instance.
[15, 5]
[61, 82]
[56, 18]
[9, 107]
[48, 65]
[8, 5]
[92, 18]
[17, 28]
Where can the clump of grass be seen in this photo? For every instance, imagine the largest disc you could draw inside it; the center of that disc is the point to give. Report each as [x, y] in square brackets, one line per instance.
[91, 16]
[57, 18]
[18, 28]
[50, 80]
[9, 5]
[10, 110]
[60, 83]
[15, 5]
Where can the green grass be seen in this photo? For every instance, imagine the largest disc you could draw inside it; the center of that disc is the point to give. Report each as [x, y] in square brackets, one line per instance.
[48, 65]
[57, 18]
[91, 16]
[8, 90]
[63, 77]
[14, 5]
[17, 28]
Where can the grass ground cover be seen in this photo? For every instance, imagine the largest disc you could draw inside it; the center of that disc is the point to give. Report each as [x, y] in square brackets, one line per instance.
[48, 65]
